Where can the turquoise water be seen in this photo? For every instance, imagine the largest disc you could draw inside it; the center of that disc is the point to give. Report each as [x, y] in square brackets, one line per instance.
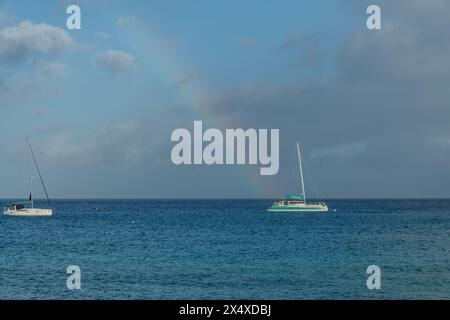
[228, 249]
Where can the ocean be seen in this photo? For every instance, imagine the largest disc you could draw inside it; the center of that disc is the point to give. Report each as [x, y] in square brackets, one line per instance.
[228, 249]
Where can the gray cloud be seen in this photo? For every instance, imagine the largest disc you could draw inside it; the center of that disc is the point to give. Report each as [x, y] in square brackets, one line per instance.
[115, 61]
[22, 41]
[377, 128]
[36, 47]
[116, 142]
[398, 52]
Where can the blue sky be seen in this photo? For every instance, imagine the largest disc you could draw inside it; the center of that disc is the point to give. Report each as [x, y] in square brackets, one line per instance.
[100, 103]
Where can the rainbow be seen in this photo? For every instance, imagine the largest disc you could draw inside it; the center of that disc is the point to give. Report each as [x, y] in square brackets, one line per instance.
[169, 67]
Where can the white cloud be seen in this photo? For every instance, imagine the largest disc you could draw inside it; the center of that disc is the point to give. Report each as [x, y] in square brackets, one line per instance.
[53, 68]
[115, 61]
[25, 39]
[126, 21]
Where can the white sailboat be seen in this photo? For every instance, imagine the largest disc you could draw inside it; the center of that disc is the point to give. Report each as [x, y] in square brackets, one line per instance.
[297, 203]
[27, 209]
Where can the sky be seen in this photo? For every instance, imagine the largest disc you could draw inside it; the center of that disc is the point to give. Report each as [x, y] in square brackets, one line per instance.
[370, 107]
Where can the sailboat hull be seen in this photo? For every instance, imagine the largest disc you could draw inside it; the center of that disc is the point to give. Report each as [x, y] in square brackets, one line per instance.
[29, 212]
[303, 208]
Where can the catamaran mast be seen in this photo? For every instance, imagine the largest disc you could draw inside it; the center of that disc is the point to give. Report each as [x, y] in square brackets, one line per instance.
[29, 173]
[301, 171]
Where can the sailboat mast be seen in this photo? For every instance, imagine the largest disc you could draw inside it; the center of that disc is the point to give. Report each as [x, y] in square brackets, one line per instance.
[30, 173]
[301, 171]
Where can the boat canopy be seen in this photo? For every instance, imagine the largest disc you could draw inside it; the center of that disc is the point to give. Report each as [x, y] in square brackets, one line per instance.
[296, 196]
[17, 206]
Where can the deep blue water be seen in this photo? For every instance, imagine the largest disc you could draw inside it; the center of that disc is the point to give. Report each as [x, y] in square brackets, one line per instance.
[228, 249]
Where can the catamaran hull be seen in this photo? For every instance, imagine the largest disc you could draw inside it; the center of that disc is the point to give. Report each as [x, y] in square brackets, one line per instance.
[299, 209]
[29, 213]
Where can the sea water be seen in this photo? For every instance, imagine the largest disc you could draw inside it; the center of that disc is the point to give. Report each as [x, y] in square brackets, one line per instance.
[228, 249]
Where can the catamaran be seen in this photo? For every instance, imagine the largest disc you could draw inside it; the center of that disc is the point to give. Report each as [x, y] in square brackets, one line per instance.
[27, 209]
[297, 203]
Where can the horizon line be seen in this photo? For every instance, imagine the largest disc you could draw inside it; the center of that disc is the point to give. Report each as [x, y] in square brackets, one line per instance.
[325, 198]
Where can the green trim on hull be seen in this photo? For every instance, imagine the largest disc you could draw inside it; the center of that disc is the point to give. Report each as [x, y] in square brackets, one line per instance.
[298, 209]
